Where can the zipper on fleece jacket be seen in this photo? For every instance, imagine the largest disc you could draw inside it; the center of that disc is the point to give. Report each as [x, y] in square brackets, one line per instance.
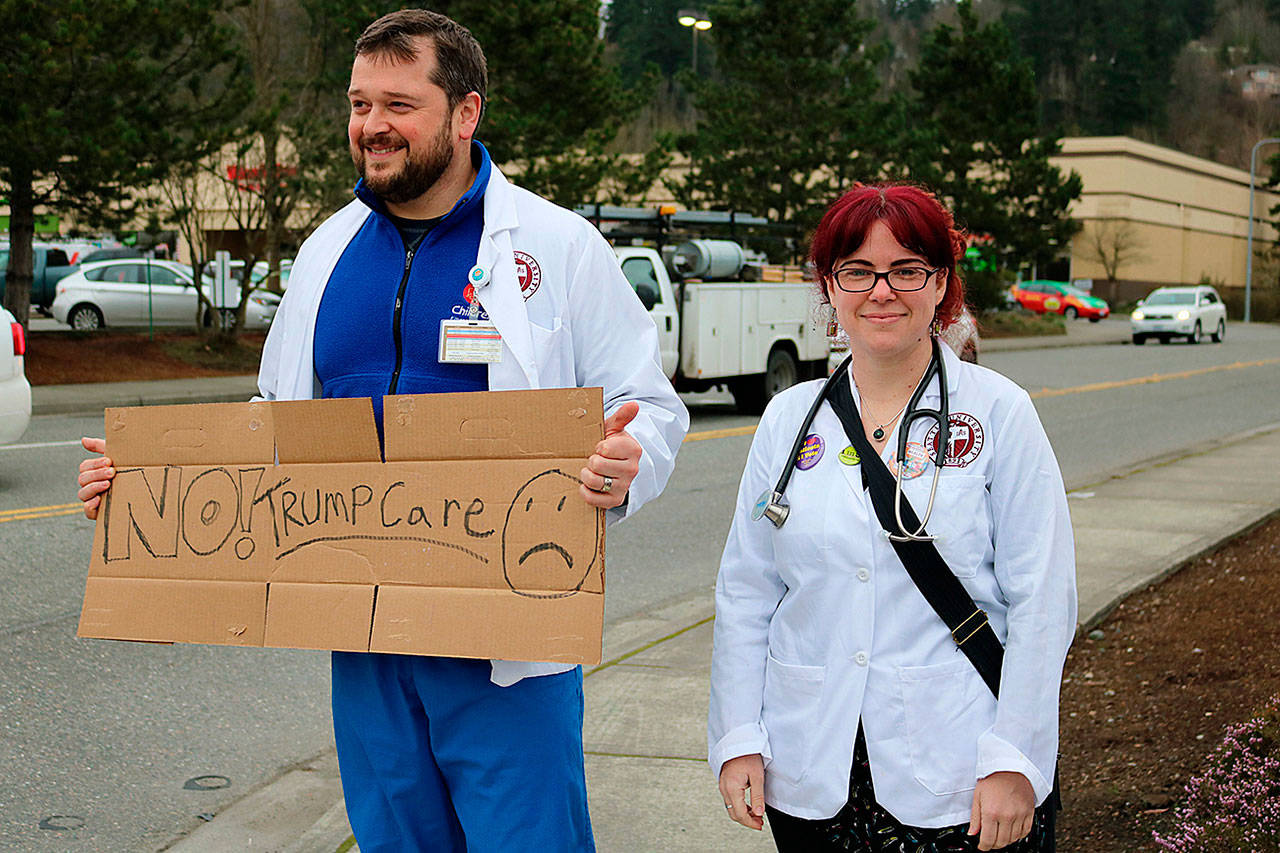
[396, 319]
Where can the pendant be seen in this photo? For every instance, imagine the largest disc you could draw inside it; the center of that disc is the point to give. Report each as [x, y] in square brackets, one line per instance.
[878, 434]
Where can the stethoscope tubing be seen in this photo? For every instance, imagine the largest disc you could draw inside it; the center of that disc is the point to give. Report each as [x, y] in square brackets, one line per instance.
[776, 508]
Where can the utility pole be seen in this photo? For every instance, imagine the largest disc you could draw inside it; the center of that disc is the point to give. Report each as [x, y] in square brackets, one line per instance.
[1248, 275]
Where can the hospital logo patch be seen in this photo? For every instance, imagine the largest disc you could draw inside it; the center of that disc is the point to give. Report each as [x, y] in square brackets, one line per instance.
[965, 442]
[810, 452]
[528, 273]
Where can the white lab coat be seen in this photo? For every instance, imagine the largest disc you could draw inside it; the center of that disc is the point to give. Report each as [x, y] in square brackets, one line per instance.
[818, 623]
[582, 326]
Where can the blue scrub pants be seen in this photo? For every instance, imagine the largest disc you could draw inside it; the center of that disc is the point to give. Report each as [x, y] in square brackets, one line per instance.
[436, 757]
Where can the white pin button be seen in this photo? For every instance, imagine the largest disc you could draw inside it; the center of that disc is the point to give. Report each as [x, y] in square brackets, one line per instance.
[479, 276]
[860, 658]
[864, 575]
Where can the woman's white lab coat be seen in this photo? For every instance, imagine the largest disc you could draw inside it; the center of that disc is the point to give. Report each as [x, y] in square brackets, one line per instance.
[576, 324]
[818, 624]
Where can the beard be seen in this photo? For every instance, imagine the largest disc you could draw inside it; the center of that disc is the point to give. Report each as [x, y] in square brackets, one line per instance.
[419, 172]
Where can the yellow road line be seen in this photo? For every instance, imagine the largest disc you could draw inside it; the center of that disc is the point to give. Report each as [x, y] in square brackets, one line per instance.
[729, 432]
[27, 509]
[1149, 380]
[720, 433]
[39, 515]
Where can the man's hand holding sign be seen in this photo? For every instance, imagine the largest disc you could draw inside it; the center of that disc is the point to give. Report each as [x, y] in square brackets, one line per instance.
[614, 465]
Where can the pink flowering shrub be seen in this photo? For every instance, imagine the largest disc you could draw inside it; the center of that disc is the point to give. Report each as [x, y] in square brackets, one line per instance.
[1234, 805]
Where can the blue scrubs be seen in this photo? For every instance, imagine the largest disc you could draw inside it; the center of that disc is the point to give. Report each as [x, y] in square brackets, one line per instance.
[433, 755]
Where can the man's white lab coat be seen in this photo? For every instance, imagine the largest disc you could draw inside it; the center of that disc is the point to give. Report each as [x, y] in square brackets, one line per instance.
[580, 325]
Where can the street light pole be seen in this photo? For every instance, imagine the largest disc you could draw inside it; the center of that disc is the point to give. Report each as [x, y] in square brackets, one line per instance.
[695, 20]
[1248, 275]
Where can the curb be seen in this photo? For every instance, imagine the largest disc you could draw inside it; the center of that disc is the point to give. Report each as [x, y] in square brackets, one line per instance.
[91, 398]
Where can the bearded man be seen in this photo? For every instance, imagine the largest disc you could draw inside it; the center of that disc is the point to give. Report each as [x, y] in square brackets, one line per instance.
[444, 753]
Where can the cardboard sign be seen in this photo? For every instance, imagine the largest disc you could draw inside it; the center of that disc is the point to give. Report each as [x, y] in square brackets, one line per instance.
[279, 524]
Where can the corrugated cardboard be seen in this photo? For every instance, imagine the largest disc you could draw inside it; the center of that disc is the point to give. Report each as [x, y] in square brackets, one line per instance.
[279, 524]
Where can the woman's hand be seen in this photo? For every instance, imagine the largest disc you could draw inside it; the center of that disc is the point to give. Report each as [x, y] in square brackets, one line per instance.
[95, 476]
[736, 777]
[1004, 806]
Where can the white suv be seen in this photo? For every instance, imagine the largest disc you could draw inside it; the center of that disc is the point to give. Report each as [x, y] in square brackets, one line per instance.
[1179, 312]
[15, 393]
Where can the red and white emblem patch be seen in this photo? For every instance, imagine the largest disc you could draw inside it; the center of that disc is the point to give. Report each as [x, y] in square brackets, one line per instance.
[528, 273]
[964, 442]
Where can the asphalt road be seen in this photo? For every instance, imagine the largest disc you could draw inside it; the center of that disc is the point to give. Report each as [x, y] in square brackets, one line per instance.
[101, 739]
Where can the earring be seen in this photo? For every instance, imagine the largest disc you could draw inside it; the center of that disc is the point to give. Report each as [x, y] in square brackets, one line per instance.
[833, 327]
[935, 326]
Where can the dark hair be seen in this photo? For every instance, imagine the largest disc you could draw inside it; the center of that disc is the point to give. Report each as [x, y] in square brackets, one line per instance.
[460, 64]
[916, 219]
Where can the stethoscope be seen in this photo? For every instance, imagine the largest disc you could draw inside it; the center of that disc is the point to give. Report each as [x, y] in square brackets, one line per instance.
[773, 505]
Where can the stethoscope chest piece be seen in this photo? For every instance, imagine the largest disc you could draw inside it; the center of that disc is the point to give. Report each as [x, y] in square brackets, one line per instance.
[773, 506]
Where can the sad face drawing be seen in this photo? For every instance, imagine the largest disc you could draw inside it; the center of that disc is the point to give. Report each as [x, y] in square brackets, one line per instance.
[542, 556]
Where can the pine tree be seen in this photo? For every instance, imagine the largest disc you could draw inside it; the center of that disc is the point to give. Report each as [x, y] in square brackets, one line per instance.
[102, 96]
[790, 119]
[992, 164]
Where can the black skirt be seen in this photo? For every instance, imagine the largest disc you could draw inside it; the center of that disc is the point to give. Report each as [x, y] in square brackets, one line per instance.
[863, 825]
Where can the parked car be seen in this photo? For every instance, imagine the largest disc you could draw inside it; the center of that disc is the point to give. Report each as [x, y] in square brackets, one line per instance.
[1058, 297]
[111, 253]
[49, 265]
[1174, 312]
[15, 392]
[139, 292]
[260, 272]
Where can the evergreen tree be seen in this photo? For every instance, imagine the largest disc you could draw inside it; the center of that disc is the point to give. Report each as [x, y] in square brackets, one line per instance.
[979, 94]
[648, 35]
[102, 96]
[790, 119]
[1105, 67]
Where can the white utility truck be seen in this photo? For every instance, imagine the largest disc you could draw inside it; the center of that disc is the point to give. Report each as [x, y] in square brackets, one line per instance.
[755, 338]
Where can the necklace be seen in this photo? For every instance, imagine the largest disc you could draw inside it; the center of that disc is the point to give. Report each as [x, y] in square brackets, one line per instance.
[878, 432]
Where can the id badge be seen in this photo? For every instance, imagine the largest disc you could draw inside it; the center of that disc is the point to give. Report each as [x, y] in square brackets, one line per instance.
[469, 342]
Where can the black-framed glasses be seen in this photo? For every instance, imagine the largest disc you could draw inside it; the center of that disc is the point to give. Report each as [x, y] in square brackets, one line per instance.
[902, 279]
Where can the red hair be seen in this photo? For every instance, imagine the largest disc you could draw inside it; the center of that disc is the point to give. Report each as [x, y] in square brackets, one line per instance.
[914, 216]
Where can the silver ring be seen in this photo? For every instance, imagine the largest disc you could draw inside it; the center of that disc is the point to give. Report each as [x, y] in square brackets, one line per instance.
[729, 806]
[607, 487]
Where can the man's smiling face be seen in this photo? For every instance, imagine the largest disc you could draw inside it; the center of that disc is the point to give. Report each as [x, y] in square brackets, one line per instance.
[401, 128]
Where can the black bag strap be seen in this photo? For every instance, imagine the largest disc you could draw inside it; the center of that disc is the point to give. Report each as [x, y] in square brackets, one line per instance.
[944, 592]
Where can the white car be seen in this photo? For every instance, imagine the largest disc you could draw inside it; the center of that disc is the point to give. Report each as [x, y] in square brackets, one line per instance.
[15, 392]
[142, 292]
[1179, 312]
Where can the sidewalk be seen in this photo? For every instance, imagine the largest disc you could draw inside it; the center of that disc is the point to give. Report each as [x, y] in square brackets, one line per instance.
[649, 785]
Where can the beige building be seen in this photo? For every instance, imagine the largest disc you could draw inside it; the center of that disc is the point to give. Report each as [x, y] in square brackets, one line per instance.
[1160, 217]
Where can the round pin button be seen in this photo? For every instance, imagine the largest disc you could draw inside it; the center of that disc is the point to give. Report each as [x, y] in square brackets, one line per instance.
[757, 511]
[478, 275]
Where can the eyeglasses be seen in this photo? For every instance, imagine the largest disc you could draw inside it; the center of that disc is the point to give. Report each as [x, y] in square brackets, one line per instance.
[902, 280]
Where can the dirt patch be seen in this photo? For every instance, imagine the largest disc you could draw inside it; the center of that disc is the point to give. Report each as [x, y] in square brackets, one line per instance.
[57, 358]
[1145, 705]
[1019, 324]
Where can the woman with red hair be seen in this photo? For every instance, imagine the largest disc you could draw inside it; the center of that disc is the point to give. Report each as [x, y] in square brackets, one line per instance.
[848, 702]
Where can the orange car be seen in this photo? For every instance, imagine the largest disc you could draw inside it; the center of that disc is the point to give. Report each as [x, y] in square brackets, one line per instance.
[1058, 297]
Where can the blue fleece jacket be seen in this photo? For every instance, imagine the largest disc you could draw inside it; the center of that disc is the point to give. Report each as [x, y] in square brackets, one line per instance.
[378, 327]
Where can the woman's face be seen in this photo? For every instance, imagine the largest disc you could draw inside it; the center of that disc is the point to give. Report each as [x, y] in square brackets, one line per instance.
[883, 322]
